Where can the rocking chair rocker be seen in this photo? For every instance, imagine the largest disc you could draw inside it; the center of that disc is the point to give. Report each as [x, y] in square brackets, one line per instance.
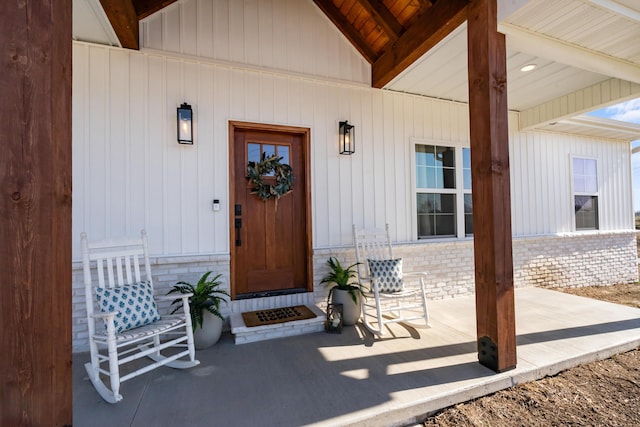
[392, 296]
[122, 315]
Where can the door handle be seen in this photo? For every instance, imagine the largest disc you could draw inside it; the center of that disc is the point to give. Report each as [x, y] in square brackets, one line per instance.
[238, 224]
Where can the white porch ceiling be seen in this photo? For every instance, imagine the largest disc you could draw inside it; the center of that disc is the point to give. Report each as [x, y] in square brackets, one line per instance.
[575, 44]
[590, 31]
[442, 73]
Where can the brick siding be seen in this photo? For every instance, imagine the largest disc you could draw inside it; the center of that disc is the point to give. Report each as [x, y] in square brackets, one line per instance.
[573, 260]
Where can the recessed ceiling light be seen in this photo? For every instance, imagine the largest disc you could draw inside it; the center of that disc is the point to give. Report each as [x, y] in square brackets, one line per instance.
[528, 67]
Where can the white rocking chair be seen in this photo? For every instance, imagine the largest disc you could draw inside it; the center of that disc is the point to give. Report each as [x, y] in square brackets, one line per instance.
[128, 326]
[406, 303]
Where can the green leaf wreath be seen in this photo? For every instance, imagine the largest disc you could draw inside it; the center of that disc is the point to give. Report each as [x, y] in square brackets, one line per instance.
[266, 166]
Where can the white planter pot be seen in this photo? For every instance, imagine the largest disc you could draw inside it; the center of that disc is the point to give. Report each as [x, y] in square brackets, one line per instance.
[350, 310]
[210, 332]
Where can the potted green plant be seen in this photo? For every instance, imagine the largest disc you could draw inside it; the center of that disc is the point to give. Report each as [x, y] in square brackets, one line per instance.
[344, 289]
[204, 306]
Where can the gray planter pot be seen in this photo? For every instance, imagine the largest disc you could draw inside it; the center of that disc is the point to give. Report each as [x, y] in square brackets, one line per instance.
[210, 332]
[351, 311]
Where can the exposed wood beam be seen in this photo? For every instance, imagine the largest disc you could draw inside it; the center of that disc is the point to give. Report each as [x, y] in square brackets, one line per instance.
[570, 54]
[430, 28]
[422, 7]
[599, 95]
[145, 8]
[340, 21]
[488, 120]
[384, 18]
[124, 20]
[35, 213]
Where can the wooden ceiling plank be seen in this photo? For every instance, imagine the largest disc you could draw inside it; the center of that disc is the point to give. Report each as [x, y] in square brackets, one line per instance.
[383, 17]
[410, 12]
[124, 20]
[394, 6]
[376, 38]
[340, 21]
[359, 18]
[378, 41]
[430, 28]
[145, 8]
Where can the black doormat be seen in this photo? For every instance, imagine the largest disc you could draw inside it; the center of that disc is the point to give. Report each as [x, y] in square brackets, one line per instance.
[277, 315]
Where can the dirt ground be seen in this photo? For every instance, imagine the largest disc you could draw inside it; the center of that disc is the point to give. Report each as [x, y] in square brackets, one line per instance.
[604, 393]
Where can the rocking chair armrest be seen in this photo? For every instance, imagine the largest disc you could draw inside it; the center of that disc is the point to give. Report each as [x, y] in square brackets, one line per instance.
[172, 297]
[183, 297]
[105, 316]
[110, 322]
[415, 280]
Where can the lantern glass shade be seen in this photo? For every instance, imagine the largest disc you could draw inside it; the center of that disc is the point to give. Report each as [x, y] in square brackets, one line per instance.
[347, 138]
[185, 124]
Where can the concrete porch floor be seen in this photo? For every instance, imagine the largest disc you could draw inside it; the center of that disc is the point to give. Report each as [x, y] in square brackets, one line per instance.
[354, 379]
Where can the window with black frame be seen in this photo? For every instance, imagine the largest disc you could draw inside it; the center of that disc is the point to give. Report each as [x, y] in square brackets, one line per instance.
[443, 191]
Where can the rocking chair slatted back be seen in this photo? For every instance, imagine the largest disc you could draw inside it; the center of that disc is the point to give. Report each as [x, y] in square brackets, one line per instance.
[121, 264]
[116, 264]
[371, 243]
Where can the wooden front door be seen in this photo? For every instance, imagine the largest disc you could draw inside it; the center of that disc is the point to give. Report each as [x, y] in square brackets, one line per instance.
[271, 244]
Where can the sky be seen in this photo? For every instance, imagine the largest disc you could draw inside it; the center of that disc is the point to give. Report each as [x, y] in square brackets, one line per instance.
[627, 112]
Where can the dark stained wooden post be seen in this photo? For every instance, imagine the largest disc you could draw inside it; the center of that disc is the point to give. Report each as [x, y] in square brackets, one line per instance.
[35, 213]
[491, 195]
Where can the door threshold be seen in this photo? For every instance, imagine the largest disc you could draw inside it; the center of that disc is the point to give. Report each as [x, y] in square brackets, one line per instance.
[266, 294]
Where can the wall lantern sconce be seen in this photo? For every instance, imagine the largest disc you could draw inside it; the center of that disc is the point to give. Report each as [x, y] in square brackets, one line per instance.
[347, 138]
[185, 124]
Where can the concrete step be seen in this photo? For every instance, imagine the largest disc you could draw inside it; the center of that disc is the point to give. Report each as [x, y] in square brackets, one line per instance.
[244, 334]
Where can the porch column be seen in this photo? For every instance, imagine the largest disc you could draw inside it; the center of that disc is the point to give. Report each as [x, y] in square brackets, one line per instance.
[35, 213]
[491, 196]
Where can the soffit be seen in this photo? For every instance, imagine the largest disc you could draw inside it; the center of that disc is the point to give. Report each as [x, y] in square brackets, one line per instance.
[442, 73]
[596, 127]
[585, 23]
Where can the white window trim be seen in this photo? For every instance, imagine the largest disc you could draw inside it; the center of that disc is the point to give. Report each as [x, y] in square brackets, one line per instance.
[459, 192]
[574, 193]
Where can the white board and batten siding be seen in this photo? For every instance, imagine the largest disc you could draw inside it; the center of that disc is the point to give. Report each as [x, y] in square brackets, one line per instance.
[129, 172]
[287, 35]
[541, 182]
